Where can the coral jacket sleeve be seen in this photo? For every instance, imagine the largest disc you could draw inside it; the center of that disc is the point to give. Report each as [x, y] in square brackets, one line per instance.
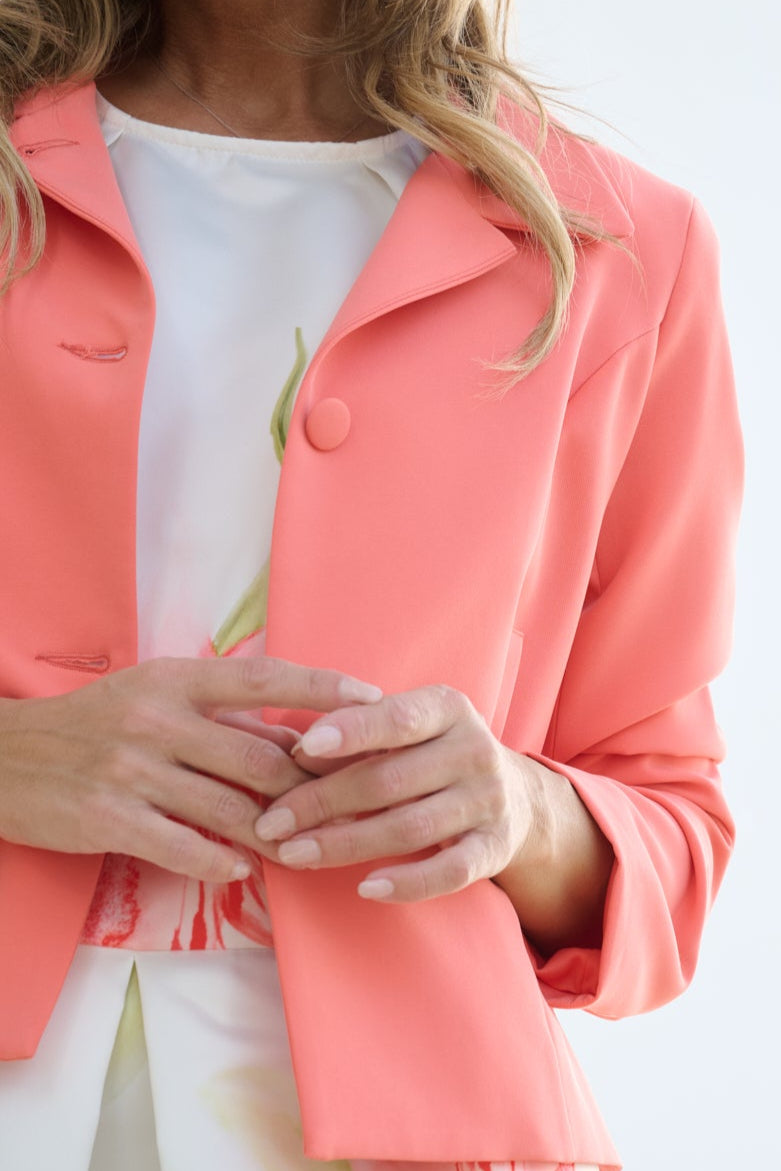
[634, 729]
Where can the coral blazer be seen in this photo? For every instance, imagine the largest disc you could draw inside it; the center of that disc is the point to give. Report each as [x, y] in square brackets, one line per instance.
[561, 554]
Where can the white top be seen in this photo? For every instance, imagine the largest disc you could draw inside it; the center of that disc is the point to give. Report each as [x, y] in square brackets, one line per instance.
[245, 241]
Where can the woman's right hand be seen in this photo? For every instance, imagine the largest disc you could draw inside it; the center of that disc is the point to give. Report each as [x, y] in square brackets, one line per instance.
[108, 766]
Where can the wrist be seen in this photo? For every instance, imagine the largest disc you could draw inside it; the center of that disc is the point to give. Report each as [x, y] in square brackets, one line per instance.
[557, 879]
[8, 708]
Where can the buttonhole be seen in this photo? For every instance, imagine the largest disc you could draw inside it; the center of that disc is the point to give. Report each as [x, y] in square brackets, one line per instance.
[95, 353]
[35, 148]
[92, 664]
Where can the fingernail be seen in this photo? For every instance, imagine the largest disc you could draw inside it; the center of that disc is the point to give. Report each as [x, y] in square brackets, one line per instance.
[301, 853]
[241, 871]
[278, 823]
[375, 888]
[356, 691]
[317, 741]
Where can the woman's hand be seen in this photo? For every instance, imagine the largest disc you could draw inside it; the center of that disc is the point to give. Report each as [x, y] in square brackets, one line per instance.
[431, 774]
[108, 766]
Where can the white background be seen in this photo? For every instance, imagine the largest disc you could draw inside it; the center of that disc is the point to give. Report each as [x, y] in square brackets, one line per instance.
[694, 87]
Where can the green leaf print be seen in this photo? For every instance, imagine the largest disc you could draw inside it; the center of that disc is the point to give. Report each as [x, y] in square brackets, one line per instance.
[248, 616]
[283, 410]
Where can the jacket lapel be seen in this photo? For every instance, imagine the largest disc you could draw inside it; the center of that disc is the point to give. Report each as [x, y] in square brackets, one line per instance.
[57, 134]
[411, 262]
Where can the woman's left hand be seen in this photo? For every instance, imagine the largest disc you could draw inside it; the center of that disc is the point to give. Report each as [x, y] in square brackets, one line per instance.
[429, 773]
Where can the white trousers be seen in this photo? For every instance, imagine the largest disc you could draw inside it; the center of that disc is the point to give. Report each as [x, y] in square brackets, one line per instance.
[202, 1080]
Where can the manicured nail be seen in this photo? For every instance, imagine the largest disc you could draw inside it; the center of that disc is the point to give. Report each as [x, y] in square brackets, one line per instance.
[278, 823]
[301, 853]
[241, 871]
[375, 888]
[320, 740]
[356, 691]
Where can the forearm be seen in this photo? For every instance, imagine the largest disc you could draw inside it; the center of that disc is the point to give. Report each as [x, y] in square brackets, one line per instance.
[558, 879]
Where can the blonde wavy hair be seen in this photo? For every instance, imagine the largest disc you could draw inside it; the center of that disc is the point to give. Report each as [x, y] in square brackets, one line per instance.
[436, 68]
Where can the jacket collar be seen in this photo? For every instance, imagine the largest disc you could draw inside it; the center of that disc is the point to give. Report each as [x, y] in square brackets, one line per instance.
[583, 176]
[58, 134]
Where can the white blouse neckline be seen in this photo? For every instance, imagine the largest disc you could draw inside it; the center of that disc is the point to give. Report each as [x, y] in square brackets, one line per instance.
[116, 122]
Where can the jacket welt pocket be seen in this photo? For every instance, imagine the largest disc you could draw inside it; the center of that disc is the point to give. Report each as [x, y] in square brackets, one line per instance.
[512, 664]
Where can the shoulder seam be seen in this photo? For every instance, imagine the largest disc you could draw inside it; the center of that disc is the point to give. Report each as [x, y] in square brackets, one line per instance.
[614, 354]
[657, 325]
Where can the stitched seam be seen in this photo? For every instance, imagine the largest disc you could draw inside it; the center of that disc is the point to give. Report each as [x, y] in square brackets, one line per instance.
[554, 724]
[638, 337]
[658, 328]
[624, 346]
[275, 152]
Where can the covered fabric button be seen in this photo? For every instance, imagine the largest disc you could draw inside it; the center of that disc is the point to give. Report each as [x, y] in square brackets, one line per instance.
[328, 423]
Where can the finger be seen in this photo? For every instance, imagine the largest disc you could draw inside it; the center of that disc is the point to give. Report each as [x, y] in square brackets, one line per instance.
[408, 717]
[179, 848]
[214, 685]
[376, 782]
[405, 829]
[321, 766]
[284, 738]
[202, 802]
[236, 756]
[457, 866]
